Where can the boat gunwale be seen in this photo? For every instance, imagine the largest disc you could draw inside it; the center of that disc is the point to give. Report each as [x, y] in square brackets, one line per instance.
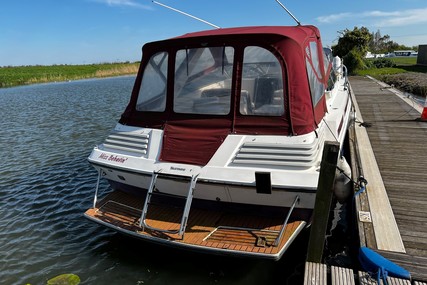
[206, 180]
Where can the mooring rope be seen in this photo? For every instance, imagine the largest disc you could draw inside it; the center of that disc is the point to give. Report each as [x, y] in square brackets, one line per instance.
[360, 183]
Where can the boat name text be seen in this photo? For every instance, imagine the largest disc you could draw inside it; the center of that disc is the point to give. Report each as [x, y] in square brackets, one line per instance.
[112, 157]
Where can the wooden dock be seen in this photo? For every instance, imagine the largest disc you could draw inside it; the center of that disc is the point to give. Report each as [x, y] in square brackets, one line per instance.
[321, 274]
[392, 212]
[388, 146]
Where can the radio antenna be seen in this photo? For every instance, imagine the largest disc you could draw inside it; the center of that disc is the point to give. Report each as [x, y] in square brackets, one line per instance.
[186, 14]
[289, 12]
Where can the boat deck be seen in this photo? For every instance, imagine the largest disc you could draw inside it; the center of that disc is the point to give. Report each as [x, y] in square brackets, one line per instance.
[398, 141]
[220, 231]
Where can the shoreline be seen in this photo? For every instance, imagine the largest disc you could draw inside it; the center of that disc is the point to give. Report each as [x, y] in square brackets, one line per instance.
[27, 75]
[411, 82]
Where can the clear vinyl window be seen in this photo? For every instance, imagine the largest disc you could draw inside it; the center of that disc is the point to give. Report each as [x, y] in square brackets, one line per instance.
[152, 94]
[203, 80]
[317, 88]
[262, 83]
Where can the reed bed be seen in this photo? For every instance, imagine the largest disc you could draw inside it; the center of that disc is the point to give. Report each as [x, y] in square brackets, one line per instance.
[23, 75]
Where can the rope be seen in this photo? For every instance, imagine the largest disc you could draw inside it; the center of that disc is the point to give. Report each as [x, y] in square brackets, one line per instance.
[360, 183]
[363, 124]
[330, 130]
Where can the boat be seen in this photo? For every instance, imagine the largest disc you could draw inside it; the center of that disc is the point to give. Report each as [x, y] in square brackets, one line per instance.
[219, 148]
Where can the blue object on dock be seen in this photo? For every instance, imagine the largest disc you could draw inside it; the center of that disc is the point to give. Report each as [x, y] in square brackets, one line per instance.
[376, 263]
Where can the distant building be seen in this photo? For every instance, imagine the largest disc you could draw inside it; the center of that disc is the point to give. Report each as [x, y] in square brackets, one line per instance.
[422, 55]
[373, 55]
[402, 53]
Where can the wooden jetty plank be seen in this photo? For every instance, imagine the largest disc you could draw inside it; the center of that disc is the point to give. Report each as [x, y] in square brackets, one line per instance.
[397, 281]
[416, 265]
[397, 92]
[387, 235]
[366, 279]
[315, 273]
[342, 276]
[355, 173]
[365, 229]
[398, 140]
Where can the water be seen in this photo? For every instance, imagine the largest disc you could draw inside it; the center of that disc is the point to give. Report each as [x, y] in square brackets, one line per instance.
[46, 184]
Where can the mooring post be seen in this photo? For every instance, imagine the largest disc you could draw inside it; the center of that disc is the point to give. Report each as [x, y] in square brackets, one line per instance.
[323, 201]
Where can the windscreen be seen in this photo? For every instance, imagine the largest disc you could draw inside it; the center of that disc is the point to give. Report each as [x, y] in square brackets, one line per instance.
[203, 80]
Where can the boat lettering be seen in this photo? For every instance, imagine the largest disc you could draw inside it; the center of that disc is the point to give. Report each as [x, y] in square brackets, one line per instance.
[112, 157]
[177, 168]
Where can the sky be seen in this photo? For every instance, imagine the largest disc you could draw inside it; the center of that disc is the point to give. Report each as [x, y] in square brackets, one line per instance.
[46, 32]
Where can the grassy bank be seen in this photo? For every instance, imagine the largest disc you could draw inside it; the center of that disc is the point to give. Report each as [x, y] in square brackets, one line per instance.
[405, 75]
[22, 75]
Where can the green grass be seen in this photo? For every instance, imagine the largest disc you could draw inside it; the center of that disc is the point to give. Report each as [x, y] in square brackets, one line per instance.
[392, 70]
[375, 72]
[404, 60]
[406, 75]
[403, 64]
[22, 75]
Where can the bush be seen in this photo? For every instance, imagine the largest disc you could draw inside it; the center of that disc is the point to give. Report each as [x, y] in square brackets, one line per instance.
[354, 61]
[369, 63]
[383, 62]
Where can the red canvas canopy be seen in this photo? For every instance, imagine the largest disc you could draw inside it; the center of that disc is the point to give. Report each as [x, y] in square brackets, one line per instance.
[194, 138]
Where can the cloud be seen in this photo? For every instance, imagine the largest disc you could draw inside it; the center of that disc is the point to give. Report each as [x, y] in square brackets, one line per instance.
[380, 18]
[124, 3]
[404, 18]
[333, 18]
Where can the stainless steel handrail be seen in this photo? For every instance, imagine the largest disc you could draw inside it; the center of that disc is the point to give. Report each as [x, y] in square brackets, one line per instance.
[282, 230]
[186, 211]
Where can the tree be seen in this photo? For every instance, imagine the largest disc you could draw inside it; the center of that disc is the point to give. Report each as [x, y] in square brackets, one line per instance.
[380, 44]
[352, 47]
[375, 44]
[357, 39]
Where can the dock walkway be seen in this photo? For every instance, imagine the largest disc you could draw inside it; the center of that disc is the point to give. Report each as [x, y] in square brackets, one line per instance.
[321, 274]
[399, 146]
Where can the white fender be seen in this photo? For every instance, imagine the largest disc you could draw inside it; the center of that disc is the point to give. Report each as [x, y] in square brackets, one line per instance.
[342, 187]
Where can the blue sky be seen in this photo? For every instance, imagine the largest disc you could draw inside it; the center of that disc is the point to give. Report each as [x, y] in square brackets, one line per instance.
[92, 31]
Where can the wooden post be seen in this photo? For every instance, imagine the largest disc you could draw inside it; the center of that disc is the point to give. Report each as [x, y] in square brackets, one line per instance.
[323, 201]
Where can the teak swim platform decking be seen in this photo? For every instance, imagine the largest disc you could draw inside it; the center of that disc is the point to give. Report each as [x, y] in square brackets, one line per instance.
[249, 234]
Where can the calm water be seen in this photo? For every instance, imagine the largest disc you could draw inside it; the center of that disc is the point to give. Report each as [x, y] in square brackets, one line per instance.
[46, 184]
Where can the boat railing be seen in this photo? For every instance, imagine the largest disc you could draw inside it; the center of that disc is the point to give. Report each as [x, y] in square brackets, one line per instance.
[262, 241]
[345, 76]
[95, 198]
[282, 230]
[186, 212]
